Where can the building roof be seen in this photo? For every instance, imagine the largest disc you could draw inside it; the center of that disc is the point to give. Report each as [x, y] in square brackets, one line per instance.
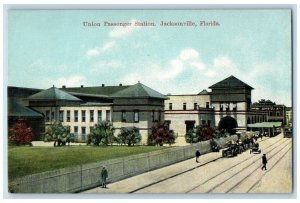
[203, 92]
[230, 82]
[18, 110]
[138, 91]
[97, 90]
[52, 94]
[265, 125]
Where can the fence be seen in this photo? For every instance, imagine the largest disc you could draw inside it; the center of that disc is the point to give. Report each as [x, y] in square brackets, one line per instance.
[79, 178]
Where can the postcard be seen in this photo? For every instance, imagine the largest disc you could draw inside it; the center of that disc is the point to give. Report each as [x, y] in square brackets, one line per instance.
[182, 101]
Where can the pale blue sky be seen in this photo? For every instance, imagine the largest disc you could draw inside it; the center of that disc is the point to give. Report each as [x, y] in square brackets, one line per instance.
[53, 47]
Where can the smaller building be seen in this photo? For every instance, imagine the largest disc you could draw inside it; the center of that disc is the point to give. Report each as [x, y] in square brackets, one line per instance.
[274, 112]
[81, 108]
[32, 118]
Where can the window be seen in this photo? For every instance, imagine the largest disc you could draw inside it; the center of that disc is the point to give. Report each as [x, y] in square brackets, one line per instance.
[136, 116]
[61, 116]
[83, 116]
[184, 106]
[207, 105]
[189, 125]
[99, 115]
[91, 115]
[234, 108]
[152, 114]
[227, 106]
[75, 129]
[108, 115]
[52, 116]
[221, 106]
[75, 116]
[159, 115]
[203, 122]
[170, 106]
[167, 124]
[83, 133]
[123, 116]
[47, 116]
[208, 122]
[195, 106]
[68, 116]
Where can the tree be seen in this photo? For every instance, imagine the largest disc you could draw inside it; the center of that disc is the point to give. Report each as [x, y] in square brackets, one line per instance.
[58, 133]
[20, 134]
[192, 137]
[161, 135]
[103, 132]
[129, 136]
[200, 133]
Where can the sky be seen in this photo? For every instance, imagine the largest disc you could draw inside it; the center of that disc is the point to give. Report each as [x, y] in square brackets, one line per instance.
[47, 48]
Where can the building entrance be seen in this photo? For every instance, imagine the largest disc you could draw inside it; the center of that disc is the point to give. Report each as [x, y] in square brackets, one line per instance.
[228, 123]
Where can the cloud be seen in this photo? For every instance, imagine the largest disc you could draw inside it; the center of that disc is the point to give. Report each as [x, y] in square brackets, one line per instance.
[117, 33]
[103, 64]
[72, 81]
[99, 50]
[123, 31]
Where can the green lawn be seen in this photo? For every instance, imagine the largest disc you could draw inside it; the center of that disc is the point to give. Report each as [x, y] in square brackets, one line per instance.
[28, 160]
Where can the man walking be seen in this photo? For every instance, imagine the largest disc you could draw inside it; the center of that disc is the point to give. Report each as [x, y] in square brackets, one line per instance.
[104, 175]
[197, 155]
[264, 162]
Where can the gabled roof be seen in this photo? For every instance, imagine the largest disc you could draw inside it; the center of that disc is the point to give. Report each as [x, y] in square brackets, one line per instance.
[52, 94]
[230, 82]
[203, 92]
[138, 91]
[18, 110]
[98, 90]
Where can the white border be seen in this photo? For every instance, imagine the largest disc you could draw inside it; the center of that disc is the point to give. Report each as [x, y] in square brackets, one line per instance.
[188, 4]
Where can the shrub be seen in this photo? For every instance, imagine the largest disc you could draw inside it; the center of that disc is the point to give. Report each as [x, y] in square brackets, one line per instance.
[103, 132]
[192, 137]
[129, 136]
[58, 133]
[161, 135]
[20, 134]
[200, 133]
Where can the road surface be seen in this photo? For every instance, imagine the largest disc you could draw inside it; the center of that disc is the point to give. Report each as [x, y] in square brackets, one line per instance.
[214, 174]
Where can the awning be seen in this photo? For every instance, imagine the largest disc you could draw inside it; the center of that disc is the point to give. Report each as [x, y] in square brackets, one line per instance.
[265, 125]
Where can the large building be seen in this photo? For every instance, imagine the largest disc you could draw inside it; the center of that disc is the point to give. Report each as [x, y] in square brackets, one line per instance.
[227, 106]
[81, 108]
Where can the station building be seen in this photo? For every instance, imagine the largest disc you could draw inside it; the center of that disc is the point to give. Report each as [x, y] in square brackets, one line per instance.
[81, 108]
[227, 106]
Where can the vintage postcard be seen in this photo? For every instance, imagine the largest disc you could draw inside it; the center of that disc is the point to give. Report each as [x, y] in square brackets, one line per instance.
[193, 101]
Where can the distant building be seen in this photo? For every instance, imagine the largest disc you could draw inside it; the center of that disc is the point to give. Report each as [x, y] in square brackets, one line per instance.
[275, 112]
[289, 116]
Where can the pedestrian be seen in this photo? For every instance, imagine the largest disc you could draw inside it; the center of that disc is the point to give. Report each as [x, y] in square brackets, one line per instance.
[197, 155]
[264, 162]
[104, 175]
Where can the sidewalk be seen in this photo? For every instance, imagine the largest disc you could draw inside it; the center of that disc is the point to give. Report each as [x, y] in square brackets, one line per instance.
[131, 184]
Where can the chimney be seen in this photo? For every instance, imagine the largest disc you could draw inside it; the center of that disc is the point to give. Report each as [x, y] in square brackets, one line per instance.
[120, 84]
[63, 86]
[81, 86]
[102, 85]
